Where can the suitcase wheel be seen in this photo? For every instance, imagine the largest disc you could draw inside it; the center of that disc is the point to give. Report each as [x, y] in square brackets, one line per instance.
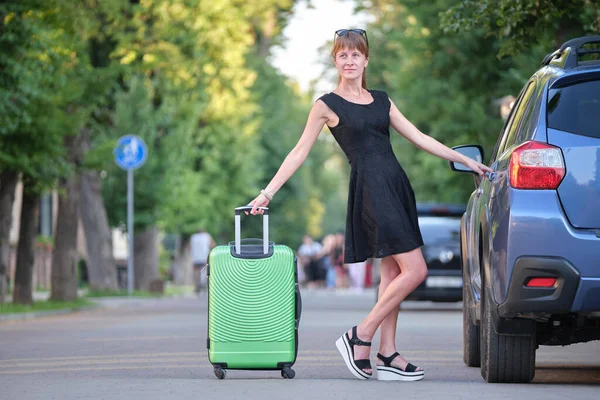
[287, 373]
[220, 373]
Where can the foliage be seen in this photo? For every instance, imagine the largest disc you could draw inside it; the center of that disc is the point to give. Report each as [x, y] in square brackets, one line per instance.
[218, 120]
[38, 92]
[186, 93]
[519, 23]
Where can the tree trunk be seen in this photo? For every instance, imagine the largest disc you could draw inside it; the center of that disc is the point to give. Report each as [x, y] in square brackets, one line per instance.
[8, 183]
[26, 250]
[102, 269]
[184, 273]
[145, 258]
[64, 257]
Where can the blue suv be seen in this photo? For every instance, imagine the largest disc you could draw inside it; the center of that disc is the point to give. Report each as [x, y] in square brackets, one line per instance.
[530, 237]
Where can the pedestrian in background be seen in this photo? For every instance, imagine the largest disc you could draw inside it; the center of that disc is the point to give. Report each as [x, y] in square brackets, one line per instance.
[308, 252]
[201, 243]
[381, 219]
[341, 269]
[325, 259]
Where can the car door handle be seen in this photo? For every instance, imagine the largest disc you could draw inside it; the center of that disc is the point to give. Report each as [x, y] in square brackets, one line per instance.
[478, 192]
[490, 175]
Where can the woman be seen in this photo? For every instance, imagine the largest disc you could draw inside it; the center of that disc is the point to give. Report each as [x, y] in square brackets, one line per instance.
[381, 217]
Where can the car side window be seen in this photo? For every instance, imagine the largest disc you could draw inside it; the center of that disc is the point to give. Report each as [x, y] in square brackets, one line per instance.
[522, 113]
[528, 122]
[506, 128]
[515, 119]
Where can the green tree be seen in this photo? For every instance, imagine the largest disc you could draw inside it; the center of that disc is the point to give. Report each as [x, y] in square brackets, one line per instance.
[187, 90]
[38, 87]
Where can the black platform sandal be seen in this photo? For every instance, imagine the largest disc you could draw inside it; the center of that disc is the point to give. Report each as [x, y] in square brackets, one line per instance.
[387, 372]
[345, 346]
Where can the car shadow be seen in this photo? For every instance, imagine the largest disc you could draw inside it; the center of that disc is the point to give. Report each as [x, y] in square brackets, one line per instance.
[567, 374]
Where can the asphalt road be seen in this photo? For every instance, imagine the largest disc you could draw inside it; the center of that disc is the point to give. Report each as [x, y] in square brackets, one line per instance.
[156, 349]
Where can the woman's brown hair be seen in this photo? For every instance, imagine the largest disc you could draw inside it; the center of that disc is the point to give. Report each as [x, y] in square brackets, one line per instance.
[351, 40]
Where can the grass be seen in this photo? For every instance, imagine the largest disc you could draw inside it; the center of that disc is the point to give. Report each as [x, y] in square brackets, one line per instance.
[170, 290]
[10, 308]
[178, 290]
[121, 293]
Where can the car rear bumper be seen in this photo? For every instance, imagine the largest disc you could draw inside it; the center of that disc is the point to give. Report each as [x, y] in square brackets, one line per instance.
[558, 299]
[572, 293]
[535, 227]
[587, 298]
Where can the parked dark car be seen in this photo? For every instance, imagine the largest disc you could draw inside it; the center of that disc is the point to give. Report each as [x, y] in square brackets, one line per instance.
[440, 228]
[531, 234]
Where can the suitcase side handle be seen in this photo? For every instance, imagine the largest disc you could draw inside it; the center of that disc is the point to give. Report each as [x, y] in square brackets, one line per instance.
[238, 228]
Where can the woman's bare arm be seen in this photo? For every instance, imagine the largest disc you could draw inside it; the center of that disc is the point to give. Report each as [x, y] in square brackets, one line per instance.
[317, 118]
[404, 127]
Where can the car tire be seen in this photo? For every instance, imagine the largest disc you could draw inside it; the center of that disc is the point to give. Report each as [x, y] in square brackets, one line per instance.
[471, 353]
[504, 358]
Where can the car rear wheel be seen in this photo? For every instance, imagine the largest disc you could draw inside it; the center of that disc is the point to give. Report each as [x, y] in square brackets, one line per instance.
[471, 354]
[504, 358]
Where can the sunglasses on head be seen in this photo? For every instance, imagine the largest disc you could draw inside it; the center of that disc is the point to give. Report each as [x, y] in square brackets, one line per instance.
[344, 32]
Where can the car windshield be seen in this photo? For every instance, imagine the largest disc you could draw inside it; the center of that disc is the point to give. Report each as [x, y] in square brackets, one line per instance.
[576, 108]
[438, 230]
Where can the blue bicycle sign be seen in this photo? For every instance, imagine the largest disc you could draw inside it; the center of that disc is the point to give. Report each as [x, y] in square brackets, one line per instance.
[131, 152]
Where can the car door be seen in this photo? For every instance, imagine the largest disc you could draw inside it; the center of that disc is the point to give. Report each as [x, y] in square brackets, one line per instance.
[486, 190]
[498, 204]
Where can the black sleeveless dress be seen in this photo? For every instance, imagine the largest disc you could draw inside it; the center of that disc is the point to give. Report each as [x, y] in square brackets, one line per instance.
[381, 219]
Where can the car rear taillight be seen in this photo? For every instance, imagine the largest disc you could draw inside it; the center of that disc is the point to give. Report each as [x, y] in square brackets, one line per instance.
[541, 282]
[535, 165]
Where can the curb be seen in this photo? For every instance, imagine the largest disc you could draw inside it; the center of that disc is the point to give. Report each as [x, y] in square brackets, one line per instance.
[39, 314]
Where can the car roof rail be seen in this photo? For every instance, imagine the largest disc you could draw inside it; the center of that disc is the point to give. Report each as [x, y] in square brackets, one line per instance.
[566, 56]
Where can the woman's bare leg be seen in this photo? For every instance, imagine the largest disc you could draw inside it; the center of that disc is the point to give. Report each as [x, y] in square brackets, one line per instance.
[389, 271]
[414, 272]
[388, 327]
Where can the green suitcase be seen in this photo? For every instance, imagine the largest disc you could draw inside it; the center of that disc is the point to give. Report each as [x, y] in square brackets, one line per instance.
[254, 304]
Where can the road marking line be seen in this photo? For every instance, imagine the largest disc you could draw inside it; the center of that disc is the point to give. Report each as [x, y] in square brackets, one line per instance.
[138, 338]
[117, 361]
[165, 366]
[103, 356]
[113, 339]
[302, 353]
[204, 358]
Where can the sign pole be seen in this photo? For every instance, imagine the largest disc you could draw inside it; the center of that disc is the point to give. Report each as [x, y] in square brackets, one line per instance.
[130, 153]
[130, 274]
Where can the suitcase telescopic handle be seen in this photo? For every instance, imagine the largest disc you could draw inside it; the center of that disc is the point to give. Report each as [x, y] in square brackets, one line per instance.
[238, 228]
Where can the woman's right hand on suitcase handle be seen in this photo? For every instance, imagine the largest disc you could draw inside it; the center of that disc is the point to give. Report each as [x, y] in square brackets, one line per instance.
[260, 201]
